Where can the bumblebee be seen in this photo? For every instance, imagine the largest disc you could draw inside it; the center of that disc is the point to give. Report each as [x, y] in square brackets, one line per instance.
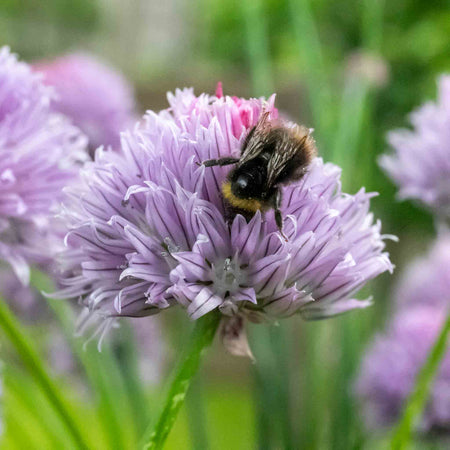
[273, 154]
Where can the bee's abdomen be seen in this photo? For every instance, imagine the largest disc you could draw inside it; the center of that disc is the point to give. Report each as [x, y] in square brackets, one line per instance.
[246, 204]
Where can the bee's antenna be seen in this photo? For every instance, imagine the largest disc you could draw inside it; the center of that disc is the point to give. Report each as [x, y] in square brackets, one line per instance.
[284, 236]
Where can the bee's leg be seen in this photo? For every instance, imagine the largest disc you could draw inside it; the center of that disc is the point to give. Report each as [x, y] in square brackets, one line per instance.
[220, 162]
[276, 203]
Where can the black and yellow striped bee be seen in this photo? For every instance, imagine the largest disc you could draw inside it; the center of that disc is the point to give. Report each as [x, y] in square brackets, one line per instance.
[274, 153]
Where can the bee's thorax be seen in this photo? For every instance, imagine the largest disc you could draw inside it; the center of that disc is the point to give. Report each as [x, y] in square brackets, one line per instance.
[249, 180]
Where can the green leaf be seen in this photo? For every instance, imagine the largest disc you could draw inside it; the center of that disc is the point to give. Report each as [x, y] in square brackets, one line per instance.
[102, 370]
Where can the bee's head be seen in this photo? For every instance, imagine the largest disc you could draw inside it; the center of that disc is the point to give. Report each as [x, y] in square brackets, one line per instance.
[248, 181]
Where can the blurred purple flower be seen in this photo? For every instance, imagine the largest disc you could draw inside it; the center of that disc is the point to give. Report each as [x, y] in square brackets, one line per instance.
[420, 165]
[427, 280]
[24, 300]
[98, 99]
[390, 367]
[38, 154]
[148, 227]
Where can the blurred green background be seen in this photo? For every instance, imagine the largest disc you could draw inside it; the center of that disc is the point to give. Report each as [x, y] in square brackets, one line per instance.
[352, 70]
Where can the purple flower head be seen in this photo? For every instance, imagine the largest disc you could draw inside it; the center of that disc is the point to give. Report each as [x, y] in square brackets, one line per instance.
[98, 99]
[391, 365]
[148, 227]
[38, 154]
[420, 165]
[427, 280]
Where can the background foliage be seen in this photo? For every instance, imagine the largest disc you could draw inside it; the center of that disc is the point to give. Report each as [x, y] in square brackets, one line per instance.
[299, 394]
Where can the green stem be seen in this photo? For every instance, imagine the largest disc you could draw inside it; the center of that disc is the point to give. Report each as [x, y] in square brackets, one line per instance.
[30, 358]
[417, 400]
[201, 337]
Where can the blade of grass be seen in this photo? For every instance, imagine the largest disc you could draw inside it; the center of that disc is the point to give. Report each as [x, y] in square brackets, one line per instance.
[372, 28]
[18, 436]
[101, 369]
[37, 414]
[402, 435]
[347, 139]
[354, 151]
[346, 153]
[32, 361]
[372, 24]
[128, 359]
[313, 66]
[343, 431]
[22, 422]
[355, 127]
[114, 408]
[257, 46]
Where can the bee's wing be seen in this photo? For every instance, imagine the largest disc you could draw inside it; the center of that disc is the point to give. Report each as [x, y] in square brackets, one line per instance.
[256, 139]
[293, 144]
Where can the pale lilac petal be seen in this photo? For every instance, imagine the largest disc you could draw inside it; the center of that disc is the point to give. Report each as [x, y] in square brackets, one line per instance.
[317, 311]
[286, 303]
[204, 302]
[193, 265]
[245, 295]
